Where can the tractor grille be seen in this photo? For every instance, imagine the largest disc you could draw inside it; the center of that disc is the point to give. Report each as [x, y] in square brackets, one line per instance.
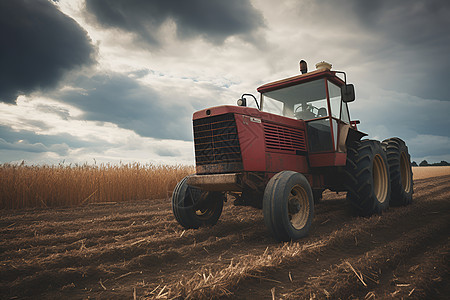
[282, 138]
[216, 143]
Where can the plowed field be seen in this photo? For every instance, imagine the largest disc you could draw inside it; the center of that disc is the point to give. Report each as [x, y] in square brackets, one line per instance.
[137, 250]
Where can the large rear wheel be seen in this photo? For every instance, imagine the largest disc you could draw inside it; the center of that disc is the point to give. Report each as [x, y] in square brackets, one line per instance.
[288, 206]
[193, 207]
[368, 180]
[400, 170]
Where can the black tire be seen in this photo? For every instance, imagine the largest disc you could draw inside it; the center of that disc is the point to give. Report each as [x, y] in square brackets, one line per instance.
[368, 183]
[193, 207]
[400, 170]
[288, 206]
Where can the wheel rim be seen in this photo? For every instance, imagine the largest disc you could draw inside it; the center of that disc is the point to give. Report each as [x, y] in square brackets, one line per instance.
[298, 207]
[205, 209]
[204, 213]
[380, 179]
[405, 172]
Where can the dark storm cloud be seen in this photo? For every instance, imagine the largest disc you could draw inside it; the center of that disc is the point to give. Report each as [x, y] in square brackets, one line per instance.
[214, 20]
[116, 98]
[419, 26]
[401, 115]
[409, 22]
[39, 44]
[411, 35]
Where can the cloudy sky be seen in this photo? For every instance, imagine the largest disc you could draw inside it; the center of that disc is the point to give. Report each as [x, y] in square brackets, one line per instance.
[118, 81]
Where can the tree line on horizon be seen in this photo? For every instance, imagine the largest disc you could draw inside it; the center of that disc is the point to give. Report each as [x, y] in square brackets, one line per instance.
[424, 163]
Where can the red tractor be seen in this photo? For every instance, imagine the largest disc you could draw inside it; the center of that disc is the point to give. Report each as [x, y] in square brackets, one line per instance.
[281, 156]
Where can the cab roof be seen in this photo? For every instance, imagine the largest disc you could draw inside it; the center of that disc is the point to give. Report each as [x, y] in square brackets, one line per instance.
[290, 81]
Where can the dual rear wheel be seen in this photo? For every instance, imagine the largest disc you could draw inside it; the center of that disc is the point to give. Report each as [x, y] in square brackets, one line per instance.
[378, 175]
[400, 171]
[368, 179]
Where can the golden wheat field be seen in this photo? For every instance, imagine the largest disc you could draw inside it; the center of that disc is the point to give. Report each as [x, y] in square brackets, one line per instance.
[24, 186]
[136, 249]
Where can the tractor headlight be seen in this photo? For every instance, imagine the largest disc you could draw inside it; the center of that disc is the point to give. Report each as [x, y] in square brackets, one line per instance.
[242, 102]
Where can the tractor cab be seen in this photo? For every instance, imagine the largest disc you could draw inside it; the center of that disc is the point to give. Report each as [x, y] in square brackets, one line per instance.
[319, 98]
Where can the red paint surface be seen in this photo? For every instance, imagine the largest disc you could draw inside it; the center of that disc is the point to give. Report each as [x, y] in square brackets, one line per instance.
[251, 139]
[277, 162]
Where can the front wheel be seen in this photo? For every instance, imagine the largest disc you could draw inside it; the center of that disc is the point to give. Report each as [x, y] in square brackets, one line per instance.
[193, 207]
[288, 206]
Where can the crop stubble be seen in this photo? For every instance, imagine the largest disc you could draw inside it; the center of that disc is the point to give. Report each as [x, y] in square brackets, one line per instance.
[136, 249]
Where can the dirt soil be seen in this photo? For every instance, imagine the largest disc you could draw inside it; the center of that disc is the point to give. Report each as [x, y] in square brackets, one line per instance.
[137, 250]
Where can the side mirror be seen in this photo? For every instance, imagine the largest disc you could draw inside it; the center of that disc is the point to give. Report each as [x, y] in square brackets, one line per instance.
[242, 102]
[348, 93]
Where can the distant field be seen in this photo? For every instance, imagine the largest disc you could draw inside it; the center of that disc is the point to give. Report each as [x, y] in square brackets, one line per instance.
[427, 172]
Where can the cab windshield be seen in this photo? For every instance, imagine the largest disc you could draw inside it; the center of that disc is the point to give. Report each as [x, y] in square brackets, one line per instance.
[304, 101]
